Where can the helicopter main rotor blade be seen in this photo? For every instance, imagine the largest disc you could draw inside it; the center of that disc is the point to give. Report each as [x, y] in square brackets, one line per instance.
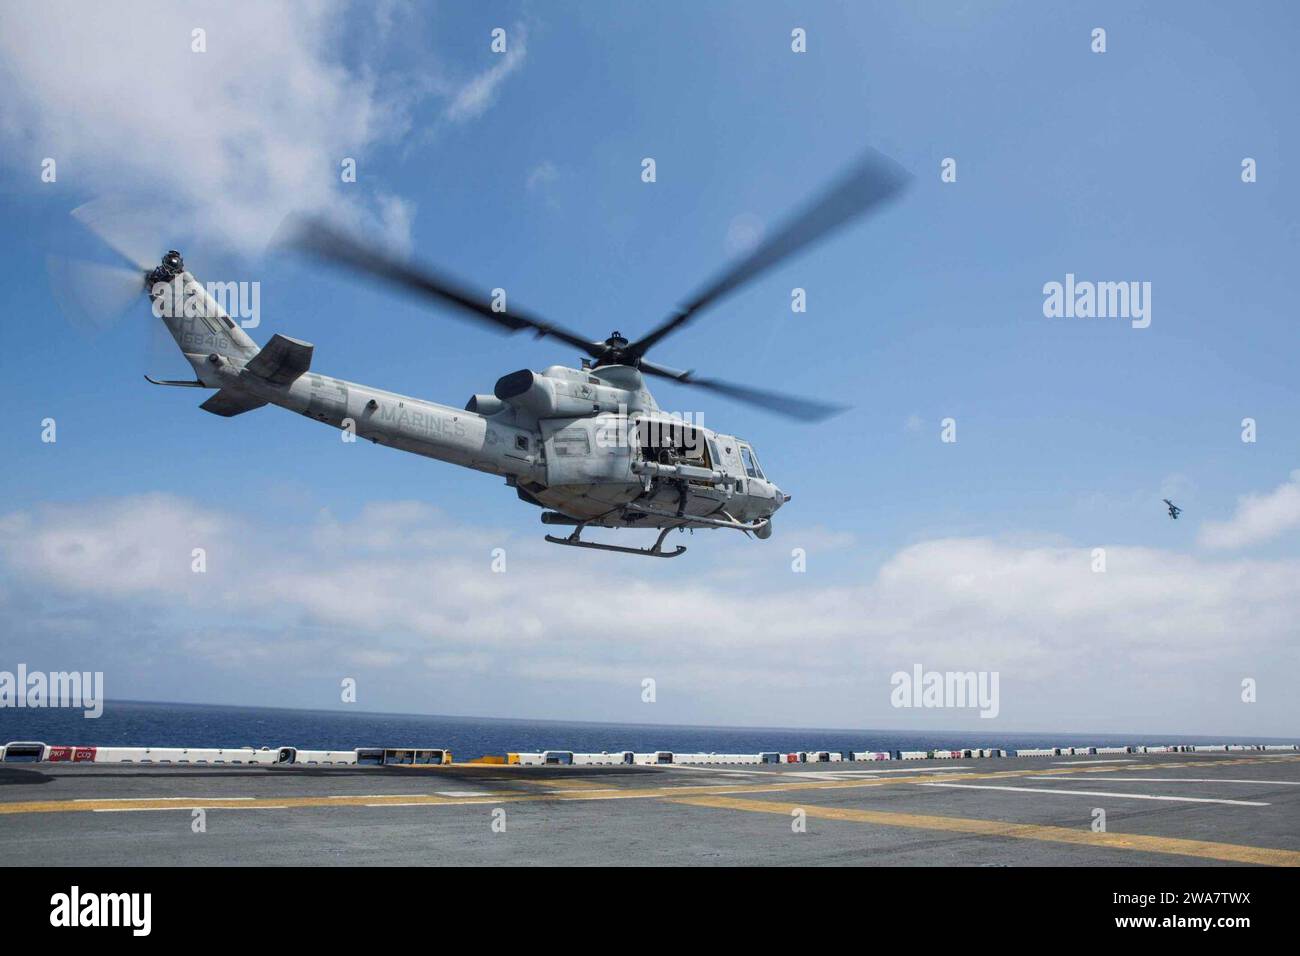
[791, 406]
[317, 238]
[866, 185]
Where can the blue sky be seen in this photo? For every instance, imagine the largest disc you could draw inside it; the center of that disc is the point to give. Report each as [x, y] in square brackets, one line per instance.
[1117, 166]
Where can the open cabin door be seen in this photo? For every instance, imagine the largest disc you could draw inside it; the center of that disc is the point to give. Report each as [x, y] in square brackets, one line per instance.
[670, 441]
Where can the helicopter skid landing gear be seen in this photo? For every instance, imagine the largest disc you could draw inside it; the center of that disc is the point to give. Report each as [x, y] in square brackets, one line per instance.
[656, 551]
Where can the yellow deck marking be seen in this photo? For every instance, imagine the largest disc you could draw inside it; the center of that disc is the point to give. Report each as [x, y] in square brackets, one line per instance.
[724, 797]
[1230, 852]
[245, 806]
[560, 783]
[570, 790]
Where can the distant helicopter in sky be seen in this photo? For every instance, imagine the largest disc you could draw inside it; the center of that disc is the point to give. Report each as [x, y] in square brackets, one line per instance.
[1174, 510]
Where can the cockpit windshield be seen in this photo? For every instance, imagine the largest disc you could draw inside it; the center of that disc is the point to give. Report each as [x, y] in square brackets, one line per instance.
[750, 461]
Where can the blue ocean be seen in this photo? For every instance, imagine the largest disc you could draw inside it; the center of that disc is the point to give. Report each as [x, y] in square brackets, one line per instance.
[132, 723]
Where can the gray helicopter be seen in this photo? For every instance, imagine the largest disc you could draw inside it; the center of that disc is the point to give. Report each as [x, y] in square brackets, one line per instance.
[588, 445]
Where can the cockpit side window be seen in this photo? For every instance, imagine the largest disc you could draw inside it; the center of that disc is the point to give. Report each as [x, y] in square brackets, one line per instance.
[750, 461]
[713, 453]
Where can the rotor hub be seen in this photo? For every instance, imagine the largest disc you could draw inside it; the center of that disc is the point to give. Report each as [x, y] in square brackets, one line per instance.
[171, 266]
[615, 352]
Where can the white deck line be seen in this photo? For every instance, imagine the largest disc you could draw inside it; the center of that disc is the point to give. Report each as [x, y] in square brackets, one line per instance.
[1099, 793]
[1108, 777]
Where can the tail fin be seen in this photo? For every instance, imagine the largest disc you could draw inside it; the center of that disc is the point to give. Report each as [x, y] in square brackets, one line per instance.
[202, 328]
[198, 323]
[282, 361]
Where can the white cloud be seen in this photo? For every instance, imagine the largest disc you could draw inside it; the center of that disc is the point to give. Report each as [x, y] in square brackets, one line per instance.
[1258, 518]
[234, 138]
[819, 538]
[408, 593]
[744, 233]
[135, 547]
[542, 174]
[475, 96]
